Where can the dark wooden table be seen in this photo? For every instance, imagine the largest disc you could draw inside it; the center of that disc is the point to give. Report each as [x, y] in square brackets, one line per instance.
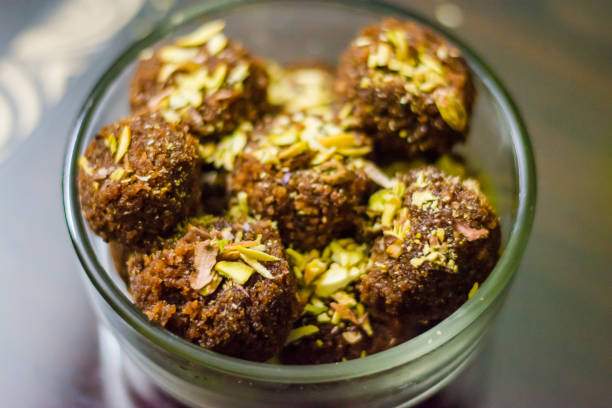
[551, 345]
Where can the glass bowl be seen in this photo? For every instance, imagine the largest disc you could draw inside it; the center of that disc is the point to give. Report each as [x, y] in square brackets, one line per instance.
[286, 31]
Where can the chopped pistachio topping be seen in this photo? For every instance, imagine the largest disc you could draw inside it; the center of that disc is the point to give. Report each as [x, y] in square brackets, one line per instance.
[300, 332]
[230, 257]
[117, 174]
[424, 199]
[380, 57]
[439, 255]
[391, 54]
[387, 202]
[192, 81]
[255, 264]
[292, 135]
[313, 270]
[166, 71]
[473, 290]
[451, 110]
[352, 337]
[124, 143]
[240, 206]
[216, 44]
[236, 271]
[212, 286]
[202, 35]
[111, 143]
[84, 164]
[223, 154]
[257, 254]
[238, 74]
[326, 279]
[175, 55]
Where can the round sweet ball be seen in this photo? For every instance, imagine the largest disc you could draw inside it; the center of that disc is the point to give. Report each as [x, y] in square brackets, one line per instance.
[203, 79]
[219, 283]
[303, 171]
[139, 177]
[408, 87]
[440, 241]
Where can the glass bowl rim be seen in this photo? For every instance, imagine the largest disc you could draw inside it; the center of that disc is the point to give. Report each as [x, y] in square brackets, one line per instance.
[411, 350]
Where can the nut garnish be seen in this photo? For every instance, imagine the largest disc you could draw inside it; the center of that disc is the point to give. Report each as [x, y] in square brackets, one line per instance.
[326, 280]
[391, 54]
[84, 164]
[216, 44]
[473, 290]
[292, 135]
[205, 258]
[300, 332]
[223, 154]
[124, 143]
[236, 271]
[187, 77]
[472, 234]
[451, 110]
[231, 258]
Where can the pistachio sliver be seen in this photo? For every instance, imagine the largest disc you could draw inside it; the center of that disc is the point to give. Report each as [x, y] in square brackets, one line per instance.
[111, 142]
[473, 290]
[352, 337]
[236, 271]
[315, 309]
[339, 140]
[322, 156]
[354, 151]
[313, 270]
[84, 164]
[344, 298]
[216, 44]
[335, 278]
[124, 143]
[233, 246]
[238, 74]
[202, 34]
[117, 174]
[257, 255]
[212, 285]
[294, 150]
[286, 138]
[389, 209]
[259, 268]
[216, 80]
[301, 332]
[451, 110]
[398, 39]
[176, 55]
[166, 71]
[419, 198]
[323, 318]
[170, 115]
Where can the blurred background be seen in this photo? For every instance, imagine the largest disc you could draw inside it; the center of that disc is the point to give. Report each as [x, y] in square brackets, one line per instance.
[551, 346]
